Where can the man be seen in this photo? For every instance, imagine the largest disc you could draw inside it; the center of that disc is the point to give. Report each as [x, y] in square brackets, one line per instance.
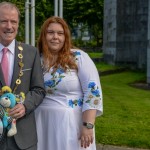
[24, 75]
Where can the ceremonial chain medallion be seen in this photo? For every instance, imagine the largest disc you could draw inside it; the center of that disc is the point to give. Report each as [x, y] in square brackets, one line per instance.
[21, 65]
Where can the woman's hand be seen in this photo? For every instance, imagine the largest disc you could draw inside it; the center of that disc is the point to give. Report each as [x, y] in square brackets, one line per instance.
[86, 137]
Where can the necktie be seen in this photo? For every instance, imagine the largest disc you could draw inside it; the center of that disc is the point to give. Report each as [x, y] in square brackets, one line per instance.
[5, 65]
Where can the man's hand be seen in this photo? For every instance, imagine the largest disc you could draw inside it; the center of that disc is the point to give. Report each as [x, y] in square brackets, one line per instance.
[18, 111]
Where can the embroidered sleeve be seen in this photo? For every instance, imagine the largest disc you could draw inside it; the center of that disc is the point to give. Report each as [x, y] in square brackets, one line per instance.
[90, 83]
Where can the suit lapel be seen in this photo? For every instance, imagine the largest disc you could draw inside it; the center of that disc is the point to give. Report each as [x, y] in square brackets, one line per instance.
[16, 67]
[2, 82]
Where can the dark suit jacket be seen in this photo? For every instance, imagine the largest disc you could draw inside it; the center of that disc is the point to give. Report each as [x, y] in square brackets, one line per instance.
[32, 85]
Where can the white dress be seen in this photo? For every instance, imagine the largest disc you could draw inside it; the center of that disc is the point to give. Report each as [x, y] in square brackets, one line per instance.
[59, 116]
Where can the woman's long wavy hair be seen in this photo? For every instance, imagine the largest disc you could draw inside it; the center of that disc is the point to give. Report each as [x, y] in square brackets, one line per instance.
[65, 56]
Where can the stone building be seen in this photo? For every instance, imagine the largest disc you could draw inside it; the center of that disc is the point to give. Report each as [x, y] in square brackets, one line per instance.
[126, 38]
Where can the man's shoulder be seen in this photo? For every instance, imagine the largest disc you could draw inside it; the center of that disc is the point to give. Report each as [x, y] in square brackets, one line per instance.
[27, 46]
[24, 45]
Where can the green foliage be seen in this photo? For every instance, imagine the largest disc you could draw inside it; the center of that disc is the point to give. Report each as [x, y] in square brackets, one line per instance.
[91, 43]
[87, 12]
[44, 10]
[78, 42]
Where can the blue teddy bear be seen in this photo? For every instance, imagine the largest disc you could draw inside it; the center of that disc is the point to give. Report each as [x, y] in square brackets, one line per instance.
[8, 101]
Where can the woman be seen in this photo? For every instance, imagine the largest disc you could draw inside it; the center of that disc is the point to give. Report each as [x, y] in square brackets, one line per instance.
[65, 119]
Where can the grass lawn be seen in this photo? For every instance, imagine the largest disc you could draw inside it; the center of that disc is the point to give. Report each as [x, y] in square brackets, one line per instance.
[104, 67]
[126, 120]
[95, 55]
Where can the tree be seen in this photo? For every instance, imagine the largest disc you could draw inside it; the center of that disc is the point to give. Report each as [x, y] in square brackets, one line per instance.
[88, 12]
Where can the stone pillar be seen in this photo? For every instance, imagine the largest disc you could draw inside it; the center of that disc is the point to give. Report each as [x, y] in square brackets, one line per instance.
[109, 36]
[148, 47]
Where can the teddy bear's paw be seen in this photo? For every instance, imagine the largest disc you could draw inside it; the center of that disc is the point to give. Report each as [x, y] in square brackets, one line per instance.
[12, 132]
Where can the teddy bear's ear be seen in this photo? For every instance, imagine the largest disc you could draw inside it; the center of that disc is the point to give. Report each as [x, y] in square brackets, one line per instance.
[6, 89]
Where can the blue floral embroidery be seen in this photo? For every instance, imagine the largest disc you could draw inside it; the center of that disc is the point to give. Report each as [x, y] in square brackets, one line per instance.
[80, 102]
[94, 91]
[94, 95]
[70, 103]
[60, 71]
[91, 85]
[50, 83]
[56, 77]
[76, 102]
[76, 54]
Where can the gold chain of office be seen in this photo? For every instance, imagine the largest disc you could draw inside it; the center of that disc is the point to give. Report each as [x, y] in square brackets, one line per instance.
[21, 65]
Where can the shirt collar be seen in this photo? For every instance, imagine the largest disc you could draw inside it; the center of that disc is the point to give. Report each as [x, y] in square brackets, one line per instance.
[11, 47]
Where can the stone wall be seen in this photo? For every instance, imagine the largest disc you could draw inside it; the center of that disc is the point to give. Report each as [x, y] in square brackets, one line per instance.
[125, 32]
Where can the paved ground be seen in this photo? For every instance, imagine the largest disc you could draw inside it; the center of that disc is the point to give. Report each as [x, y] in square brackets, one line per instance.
[110, 147]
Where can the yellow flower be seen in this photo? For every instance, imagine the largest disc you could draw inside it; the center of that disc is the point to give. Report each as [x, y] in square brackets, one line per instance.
[90, 96]
[94, 102]
[22, 95]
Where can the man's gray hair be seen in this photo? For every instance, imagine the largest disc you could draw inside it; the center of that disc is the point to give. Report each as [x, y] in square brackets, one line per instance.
[10, 5]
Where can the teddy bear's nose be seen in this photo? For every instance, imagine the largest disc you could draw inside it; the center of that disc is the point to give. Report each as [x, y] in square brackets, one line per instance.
[6, 98]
